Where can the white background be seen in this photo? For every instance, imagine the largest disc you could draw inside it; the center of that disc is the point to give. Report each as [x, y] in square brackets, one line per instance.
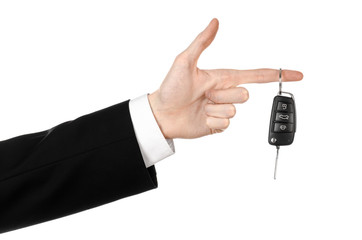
[63, 59]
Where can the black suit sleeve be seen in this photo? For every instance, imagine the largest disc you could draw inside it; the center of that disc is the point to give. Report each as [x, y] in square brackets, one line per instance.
[77, 165]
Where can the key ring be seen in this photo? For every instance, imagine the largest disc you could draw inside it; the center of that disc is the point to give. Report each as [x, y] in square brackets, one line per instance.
[280, 85]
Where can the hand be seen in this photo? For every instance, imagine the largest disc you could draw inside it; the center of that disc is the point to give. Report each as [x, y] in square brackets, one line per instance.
[192, 103]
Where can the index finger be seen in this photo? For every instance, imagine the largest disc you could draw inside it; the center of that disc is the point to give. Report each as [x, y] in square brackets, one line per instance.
[262, 75]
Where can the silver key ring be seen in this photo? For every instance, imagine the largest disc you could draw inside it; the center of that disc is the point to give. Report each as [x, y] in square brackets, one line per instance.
[280, 85]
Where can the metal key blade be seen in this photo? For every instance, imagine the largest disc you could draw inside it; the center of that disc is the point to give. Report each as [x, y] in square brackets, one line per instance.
[276, 163]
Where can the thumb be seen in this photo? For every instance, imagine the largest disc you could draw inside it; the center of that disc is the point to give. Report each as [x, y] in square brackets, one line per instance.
[203, 40]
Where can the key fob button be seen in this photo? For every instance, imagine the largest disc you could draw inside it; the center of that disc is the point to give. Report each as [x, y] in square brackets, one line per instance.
[284, 107]
[284, 117]
[283, 127]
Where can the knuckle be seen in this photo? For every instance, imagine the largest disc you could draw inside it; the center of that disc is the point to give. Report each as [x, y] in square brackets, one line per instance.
[182, 58]
[202, 39]
[207, 108]
[226, 79]
[213, 96]
[208, 123]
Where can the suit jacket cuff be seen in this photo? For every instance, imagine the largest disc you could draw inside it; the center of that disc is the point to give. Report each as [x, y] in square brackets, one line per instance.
[153, 145]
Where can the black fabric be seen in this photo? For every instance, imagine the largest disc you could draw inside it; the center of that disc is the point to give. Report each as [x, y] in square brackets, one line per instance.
[77, 165]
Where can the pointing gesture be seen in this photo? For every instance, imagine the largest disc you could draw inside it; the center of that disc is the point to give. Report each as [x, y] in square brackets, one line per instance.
[192, 103]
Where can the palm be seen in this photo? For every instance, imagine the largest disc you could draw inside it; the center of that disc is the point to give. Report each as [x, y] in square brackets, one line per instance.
[183, 93]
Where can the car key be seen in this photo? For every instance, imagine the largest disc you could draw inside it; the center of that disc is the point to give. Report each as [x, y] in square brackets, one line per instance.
[283, 120]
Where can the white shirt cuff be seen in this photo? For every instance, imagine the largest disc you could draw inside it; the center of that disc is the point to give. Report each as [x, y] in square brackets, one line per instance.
[153, 145]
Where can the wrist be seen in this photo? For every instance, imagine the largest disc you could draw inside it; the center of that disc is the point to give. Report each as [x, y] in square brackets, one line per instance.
[161, 115]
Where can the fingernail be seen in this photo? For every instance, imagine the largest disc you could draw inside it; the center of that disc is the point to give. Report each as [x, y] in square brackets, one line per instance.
[300, 76]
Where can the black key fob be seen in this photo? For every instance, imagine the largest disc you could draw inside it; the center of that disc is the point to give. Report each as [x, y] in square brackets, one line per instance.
[283, 121]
